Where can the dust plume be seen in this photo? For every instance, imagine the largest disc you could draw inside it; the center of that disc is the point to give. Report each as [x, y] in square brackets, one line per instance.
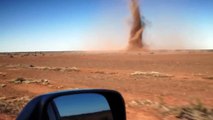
[137, 29]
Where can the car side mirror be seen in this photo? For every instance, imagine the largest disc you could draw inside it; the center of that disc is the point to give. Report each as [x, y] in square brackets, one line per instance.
[76, 105]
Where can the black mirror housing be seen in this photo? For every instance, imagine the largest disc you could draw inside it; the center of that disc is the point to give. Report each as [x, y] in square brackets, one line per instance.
[37, 108]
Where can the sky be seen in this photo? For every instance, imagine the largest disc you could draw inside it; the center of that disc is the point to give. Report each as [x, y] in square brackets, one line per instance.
[66, 25]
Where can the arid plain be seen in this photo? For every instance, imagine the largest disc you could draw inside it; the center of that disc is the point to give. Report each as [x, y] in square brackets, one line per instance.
[156, 85]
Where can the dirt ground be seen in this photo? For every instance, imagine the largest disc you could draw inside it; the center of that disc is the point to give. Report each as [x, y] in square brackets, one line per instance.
[146, 80]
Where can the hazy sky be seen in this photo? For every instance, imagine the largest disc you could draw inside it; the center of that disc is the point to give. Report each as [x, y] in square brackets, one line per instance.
[37, 25]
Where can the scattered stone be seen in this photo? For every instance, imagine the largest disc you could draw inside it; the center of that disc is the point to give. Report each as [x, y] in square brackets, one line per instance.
[44, 81]
[2, 85]
[60, 87]
[152, 74]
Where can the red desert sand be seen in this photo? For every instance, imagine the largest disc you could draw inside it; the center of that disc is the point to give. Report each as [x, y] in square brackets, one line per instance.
[151, 82]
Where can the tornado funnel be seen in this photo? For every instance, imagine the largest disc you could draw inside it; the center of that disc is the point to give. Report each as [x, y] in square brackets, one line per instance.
[137, 28]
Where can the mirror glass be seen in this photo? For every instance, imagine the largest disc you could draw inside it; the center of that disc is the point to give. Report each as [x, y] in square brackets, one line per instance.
[87, 106]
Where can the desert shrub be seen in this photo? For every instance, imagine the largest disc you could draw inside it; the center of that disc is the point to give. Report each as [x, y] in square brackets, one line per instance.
[195, 111]
[11, 56]
[13, 105]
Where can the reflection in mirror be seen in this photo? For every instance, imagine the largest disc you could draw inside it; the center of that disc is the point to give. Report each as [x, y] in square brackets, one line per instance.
[87, 106]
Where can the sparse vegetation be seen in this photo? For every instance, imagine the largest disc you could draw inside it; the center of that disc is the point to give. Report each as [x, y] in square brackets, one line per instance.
[13, 105]
[193, 111]
[21, 80]
[99, 72]
[11, 56]
[150, 74]
[61, 69]
[204, 76]
[208, 77]
[75, 69]
[17, 66]
[140, 77]
[32, 66]
[141, 103]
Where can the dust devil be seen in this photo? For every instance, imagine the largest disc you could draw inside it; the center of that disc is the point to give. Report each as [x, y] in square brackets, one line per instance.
[135, 40]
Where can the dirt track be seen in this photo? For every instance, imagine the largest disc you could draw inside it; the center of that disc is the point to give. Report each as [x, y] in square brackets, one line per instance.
[176, 77]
